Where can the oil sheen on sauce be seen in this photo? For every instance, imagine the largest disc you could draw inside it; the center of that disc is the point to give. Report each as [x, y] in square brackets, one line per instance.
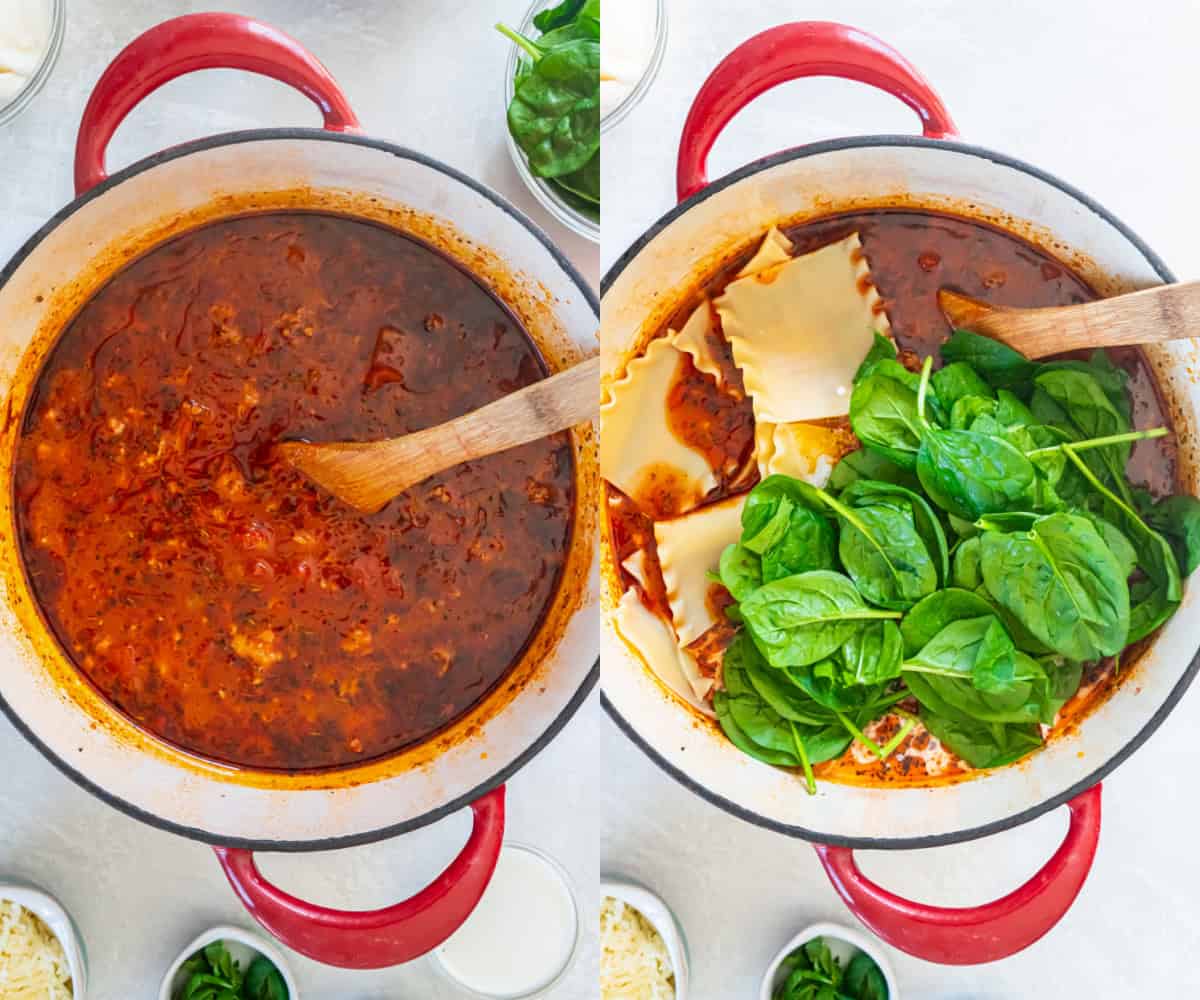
[213, 594]
[912, 254]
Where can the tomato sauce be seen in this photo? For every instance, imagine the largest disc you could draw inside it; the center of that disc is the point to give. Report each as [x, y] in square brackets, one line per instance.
[213, 594]
[912, 254]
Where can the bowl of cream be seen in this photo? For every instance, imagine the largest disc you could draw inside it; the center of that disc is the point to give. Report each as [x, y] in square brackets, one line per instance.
[632, 45]
[31, 34]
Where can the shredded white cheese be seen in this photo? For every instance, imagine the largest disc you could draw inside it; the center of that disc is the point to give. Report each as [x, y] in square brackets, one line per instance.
[32, 963]
[634, 963]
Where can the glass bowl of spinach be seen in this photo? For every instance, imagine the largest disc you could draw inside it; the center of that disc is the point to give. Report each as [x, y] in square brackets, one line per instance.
[553, 131]
[828, 962]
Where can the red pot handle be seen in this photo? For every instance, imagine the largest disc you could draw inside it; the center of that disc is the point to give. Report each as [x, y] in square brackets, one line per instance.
[375, 939]
[975, 934]
[184, 45]
[789, 52]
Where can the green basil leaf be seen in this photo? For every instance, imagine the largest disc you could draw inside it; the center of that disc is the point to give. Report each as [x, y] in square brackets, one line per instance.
[864, 980]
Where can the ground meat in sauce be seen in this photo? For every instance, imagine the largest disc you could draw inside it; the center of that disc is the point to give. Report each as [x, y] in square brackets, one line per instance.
[912, 255]
[210, 592]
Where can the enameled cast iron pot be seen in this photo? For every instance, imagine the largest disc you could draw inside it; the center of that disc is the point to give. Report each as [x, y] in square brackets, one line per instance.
[934, 171]
[112, 218]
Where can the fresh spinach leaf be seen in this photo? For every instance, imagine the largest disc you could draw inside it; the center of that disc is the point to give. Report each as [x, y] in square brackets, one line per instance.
[558, 16]
[1178, 518]
[1091, 414]
[966, 573]
[883, 412]
[740, 571]
[981, 744]
[868, 464]
[881, 548]
[926, 521]
[873, 654]
[805, 618]
[935, 612]
[1062, 582]
[786, 523]
[882, 349]
[970, 474]
[957, 381]
[554, 115]
[999, 364]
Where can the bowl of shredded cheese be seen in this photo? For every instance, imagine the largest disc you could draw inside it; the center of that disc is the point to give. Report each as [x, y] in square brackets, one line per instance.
[41, 954]
[31, 34]
[643, 953]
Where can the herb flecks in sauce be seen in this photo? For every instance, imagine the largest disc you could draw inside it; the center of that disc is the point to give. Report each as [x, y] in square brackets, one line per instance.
[212, 593]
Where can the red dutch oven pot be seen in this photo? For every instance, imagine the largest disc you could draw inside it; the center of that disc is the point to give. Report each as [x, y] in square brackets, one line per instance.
[934, 171]
[338, 168]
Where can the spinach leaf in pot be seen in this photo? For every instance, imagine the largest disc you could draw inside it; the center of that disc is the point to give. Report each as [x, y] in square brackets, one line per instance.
[968, 473]
[1091, 414]
[980, 744]
[881, 548]
[883, 412]
[1152, 601]
[1178, 518]
[956, 381]
[804, 618]
[740, 571]
[868, 464]
[1062, 582]
[999, 364]
[785, 522]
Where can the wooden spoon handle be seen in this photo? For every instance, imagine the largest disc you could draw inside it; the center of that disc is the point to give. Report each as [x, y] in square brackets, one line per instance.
[551, 405]
[1166, 312]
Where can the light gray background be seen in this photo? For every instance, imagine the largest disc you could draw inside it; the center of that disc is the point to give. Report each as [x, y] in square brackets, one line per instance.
[1101, 93]
[423, 73]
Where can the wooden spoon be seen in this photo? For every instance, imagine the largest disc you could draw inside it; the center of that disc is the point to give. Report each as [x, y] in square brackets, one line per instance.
[368, 474]
[1166, 312]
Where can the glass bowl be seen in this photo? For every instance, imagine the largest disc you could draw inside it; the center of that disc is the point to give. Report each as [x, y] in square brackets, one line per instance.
[661, 917]
[546, 988]
[576, 219]
[23, 98]
[649, 74]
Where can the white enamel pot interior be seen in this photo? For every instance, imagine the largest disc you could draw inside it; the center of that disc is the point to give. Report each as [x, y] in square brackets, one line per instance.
[689, 245]
[203, 803]
[816, 180]
[116, 218]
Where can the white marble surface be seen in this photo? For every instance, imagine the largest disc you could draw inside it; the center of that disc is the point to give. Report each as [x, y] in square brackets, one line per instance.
[422, 73]
[1100, 92]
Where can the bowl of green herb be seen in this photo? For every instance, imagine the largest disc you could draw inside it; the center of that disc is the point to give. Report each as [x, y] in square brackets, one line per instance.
[828, 962]
[552, 100]
[227, 963]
